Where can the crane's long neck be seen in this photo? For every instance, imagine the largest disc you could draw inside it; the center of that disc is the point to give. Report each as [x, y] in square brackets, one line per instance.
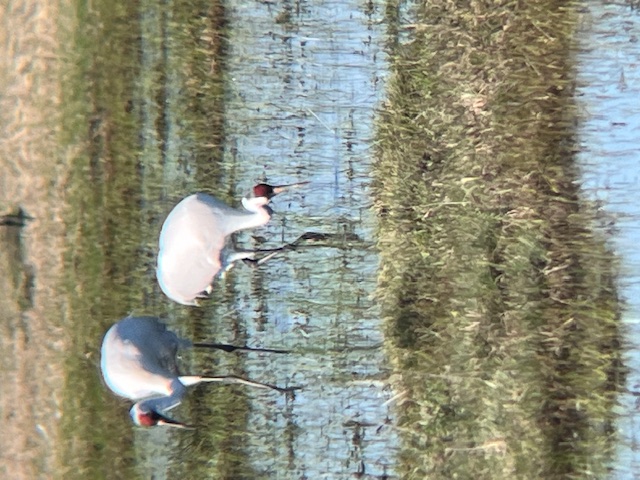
[257, 213]
[162, 404]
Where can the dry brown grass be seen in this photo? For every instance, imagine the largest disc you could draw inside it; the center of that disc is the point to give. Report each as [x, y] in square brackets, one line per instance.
[31, 338]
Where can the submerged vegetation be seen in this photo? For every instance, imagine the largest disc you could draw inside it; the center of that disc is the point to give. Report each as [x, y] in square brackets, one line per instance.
[498, 296]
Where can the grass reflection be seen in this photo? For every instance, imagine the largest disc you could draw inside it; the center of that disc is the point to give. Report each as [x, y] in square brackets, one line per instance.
[499, 297]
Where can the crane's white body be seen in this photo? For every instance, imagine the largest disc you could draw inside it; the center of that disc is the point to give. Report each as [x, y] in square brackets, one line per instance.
[193, 243]
[138, 358]
[125, 379]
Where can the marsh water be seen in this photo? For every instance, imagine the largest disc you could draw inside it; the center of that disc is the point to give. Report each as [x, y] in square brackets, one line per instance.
[300, 91]
[156, 106]
[608, 87]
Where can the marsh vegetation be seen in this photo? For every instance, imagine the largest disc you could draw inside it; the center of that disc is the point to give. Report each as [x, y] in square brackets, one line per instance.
[498, 297]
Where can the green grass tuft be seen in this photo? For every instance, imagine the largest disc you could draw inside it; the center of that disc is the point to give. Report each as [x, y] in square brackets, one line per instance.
[498, 295]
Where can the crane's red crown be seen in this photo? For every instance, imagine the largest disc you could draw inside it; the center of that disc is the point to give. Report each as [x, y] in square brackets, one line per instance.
[264, 190]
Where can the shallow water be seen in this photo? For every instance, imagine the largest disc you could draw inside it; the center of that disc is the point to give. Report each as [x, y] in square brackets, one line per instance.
[608, 88]
[300, 97]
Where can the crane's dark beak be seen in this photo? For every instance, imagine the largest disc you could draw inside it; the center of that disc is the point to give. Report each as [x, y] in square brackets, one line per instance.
[168, 422]
[148, 417]
[269, 191]
[282, 188]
